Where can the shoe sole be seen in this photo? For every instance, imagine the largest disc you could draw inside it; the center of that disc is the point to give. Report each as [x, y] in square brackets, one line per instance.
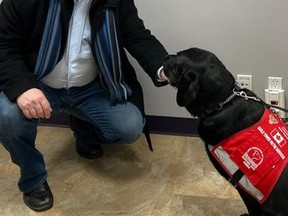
[40, 209]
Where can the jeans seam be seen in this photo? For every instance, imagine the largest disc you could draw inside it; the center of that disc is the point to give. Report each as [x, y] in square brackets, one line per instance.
[100, 131]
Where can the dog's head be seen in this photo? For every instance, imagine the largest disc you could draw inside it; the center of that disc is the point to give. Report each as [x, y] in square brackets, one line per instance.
[200, 77]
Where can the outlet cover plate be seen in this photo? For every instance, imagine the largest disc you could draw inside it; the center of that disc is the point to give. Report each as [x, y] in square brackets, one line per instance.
[275, 83]
[245, 81]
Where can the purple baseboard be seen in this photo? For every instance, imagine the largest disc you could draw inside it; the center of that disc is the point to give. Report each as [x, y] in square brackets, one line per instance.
[156, 124]
[173, 125]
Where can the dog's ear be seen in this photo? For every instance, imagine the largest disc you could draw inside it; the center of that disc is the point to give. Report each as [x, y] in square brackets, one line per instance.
[188, 88]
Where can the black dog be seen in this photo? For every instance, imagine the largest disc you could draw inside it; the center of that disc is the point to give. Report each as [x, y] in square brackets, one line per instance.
[208, 91]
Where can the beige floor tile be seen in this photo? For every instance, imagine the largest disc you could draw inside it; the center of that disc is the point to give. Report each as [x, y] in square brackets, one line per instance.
[175, 180]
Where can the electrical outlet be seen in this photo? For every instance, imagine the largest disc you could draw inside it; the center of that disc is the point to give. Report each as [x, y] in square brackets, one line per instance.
[245, 81]
[276, 97]
[275, 83]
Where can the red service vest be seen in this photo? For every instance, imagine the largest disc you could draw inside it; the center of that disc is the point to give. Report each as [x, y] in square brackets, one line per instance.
[260, 152]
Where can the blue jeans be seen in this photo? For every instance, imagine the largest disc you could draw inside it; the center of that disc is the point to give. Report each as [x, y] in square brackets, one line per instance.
[122, 123]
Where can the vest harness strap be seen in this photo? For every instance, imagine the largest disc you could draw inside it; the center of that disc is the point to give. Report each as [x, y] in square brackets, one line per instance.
[255, 157]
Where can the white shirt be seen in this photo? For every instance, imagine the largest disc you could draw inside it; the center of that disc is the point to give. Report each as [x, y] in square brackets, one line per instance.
[77, 67]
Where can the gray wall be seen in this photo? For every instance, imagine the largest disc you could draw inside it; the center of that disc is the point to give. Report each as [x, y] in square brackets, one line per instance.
[249, 36]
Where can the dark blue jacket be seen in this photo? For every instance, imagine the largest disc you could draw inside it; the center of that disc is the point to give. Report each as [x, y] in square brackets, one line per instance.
[21, 27]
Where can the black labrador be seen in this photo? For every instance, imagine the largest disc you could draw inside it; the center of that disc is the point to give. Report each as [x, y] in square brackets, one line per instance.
[205, 88]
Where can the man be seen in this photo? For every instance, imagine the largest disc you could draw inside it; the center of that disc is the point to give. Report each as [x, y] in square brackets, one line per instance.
[69, 56]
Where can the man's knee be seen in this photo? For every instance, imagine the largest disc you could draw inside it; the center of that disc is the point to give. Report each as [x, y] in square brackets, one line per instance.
[123, 125]
[131, 130]
[128, 127]
[10, 116]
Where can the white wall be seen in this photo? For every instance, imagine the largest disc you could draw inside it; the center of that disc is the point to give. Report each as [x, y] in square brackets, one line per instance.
[249, 37]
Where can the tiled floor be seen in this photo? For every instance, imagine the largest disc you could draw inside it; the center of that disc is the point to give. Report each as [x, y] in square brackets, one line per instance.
[175, 180]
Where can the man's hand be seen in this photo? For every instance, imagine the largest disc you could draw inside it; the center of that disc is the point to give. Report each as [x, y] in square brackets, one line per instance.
[34, 104]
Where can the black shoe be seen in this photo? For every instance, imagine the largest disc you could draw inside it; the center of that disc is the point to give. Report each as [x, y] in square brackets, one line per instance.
[89, 152]
[41, 199]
